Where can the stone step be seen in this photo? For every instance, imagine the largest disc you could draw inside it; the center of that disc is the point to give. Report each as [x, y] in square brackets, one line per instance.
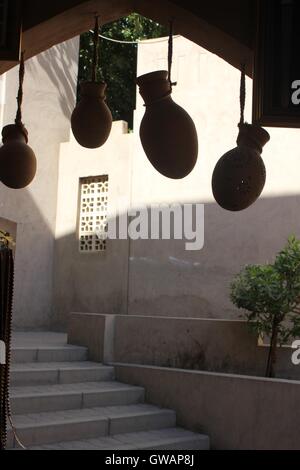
[60, 353]
[165, 439]
[60, 401]
[46, 428]
[45, 398]
[36, 373]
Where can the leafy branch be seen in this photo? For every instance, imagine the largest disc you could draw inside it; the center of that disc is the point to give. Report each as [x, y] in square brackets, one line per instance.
[270, 296]
[118, 62]
[6, 240]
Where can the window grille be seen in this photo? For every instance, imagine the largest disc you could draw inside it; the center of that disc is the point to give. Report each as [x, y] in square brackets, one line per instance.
[93, 214]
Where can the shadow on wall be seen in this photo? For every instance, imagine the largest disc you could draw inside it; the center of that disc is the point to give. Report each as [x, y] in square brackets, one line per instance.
[148, 278]
[160, 278]
[33, 260]
[49, 97]
[58, 62]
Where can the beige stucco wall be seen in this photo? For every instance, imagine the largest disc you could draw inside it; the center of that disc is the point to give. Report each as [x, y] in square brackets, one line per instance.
[236, 412]
[91, 282]
[49, 96]
[156, 278]
[214, 345]
[164, 278]
[160, 278]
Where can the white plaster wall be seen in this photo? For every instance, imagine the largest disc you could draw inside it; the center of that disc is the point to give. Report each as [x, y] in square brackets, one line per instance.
[164, 278]
[49, 97]
[91, 282]
[145, 278]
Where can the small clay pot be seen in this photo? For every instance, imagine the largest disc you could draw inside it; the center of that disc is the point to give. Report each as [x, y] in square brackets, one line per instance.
[240, 175]
[91, 119]
[167, 132]
[17, 160]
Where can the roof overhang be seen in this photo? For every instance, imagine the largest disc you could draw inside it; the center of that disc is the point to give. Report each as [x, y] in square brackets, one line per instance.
[224, 28]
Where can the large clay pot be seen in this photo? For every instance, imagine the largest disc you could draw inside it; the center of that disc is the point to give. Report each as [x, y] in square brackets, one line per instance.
[17, 160]
[240, 175]
[167, 132]
[91, 119]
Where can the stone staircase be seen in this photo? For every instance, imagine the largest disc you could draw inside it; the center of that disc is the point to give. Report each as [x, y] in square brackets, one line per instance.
[62, 401]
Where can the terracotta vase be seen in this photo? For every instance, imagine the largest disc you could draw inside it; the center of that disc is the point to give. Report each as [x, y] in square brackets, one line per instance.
[17, 160]
[91, 119]
[240, 175]
[168, 134]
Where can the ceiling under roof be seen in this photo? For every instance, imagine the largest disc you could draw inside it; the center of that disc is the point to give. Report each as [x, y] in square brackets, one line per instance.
[225, 28]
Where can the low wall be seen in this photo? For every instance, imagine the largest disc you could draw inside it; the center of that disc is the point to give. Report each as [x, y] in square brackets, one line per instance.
[88, 330]
[186, 343]
[226, 346]
[238, 413]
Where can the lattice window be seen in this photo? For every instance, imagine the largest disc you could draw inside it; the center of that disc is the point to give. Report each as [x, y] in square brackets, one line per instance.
[93, 214]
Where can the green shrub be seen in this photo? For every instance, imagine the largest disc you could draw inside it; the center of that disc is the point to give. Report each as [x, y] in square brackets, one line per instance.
[270, 295]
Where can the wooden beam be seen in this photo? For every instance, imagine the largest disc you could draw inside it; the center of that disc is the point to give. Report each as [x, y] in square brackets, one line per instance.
[78, 19]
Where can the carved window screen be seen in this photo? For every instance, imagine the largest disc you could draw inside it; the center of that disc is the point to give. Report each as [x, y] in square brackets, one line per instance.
[93, 214]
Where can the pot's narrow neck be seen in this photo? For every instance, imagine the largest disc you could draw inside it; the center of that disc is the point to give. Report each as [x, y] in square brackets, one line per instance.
[160, 99]
[249, 143]
[14, 132]
[93, 90]
[253, 137]
[155, 92]
[154, 87]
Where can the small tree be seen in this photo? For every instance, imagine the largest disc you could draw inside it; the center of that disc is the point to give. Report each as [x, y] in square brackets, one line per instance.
[271, 296]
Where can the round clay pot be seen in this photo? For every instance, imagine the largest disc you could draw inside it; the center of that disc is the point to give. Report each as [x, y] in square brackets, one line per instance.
[240, 175]
[168, 134]
[17, 160]
[91, 119]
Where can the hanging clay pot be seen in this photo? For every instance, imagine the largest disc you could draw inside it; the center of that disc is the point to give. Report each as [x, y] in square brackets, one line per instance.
[167, 132]
[91, 119]
[240, 175]
[17, 160]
